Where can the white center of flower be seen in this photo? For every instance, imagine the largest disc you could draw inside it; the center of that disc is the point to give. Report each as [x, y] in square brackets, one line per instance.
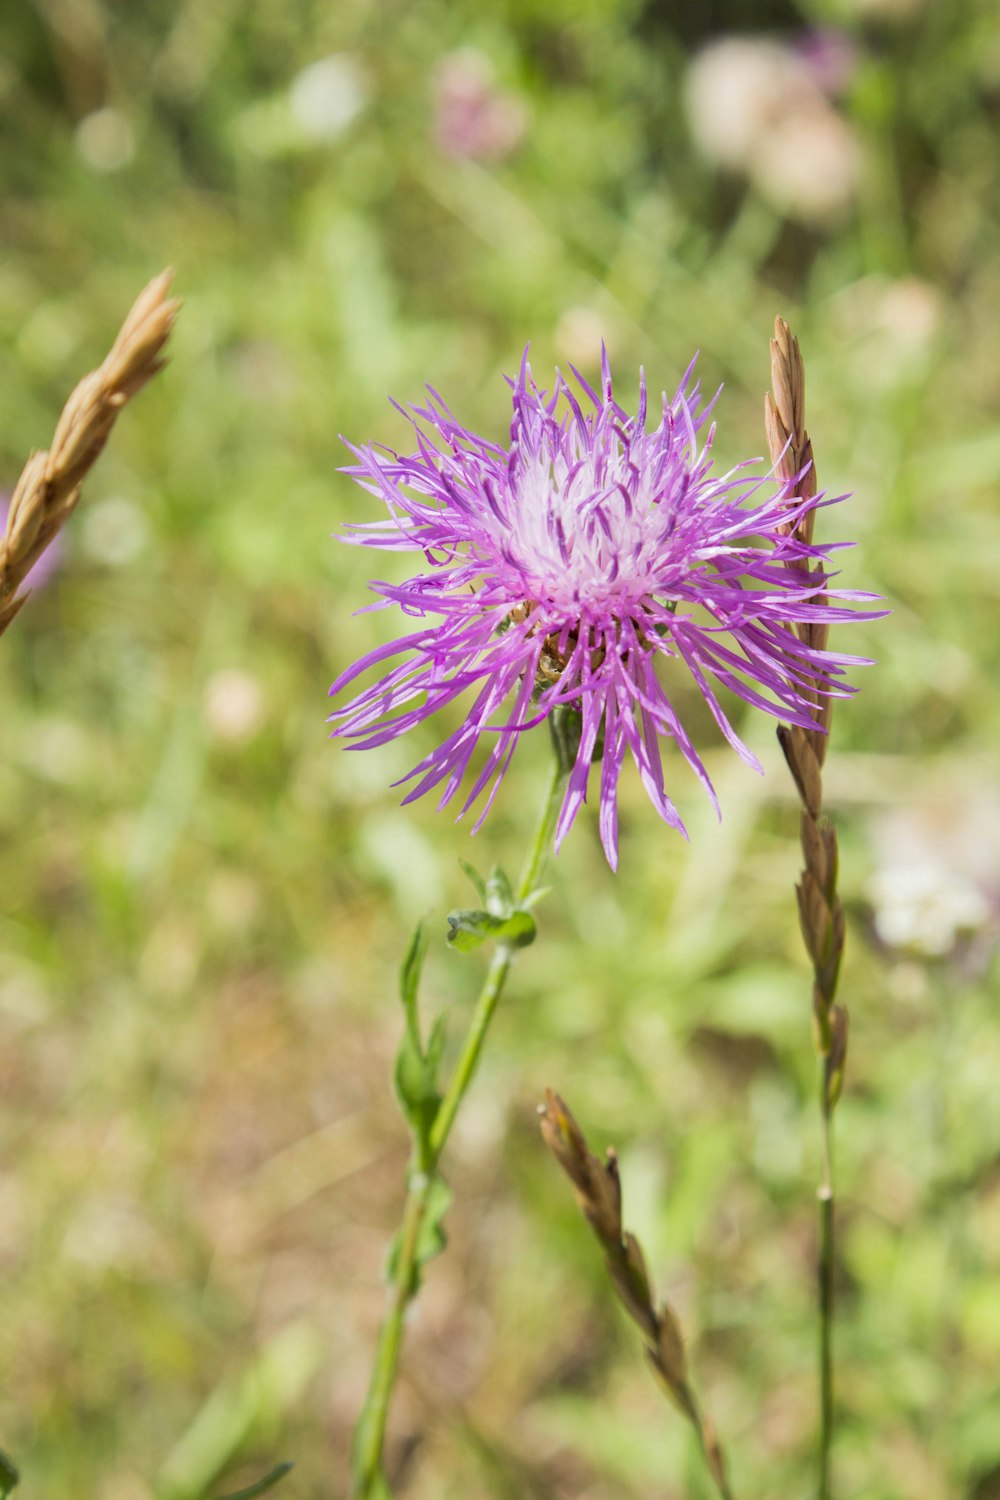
[584, 528]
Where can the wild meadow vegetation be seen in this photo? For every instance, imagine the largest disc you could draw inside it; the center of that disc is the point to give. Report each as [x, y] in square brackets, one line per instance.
[204, 902]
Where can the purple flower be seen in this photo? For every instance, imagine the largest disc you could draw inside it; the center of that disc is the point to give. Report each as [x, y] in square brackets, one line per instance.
[832, 57]
[473, 117]
[566, 569]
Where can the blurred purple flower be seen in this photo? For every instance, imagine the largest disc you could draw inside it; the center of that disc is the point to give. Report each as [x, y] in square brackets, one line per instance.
[564, 568]
[472, 116]
[831, 56]
[49, 561]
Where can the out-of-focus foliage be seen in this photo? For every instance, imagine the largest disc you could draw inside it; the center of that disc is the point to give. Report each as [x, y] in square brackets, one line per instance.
[203, 903]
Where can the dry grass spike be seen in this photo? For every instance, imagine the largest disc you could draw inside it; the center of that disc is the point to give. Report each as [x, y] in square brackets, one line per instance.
[49, 486]
[820, 912]
[599, 1195]
[805, 749]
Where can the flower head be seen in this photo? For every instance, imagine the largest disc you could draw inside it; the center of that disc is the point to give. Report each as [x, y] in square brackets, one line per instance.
[574, 567]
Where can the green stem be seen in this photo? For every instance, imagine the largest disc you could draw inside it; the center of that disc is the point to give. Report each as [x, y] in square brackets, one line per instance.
[497, 973]
[370, 1435]
[826, 1262]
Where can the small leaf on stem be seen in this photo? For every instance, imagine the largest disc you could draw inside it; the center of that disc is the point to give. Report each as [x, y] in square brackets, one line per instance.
[478, 883]
[431, 1239]
[499, 895]
[415, 1071]
[468, 930]
[409, 974]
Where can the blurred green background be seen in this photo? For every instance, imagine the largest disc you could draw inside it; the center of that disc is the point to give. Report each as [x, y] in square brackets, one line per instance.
[203, 901]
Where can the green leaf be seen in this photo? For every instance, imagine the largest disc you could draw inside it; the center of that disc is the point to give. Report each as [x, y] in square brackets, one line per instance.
[415, 1071]
[415, 1078]
[261, 1486]
[467, 930]
[431, 1239]
[9, 1477]
[409, 975]
[478, 883]
[499, 896]
[519, 930]
[435, 1044]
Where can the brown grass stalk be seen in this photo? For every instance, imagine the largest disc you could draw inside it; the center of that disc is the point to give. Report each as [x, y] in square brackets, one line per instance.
[599, 1195]
[805, 750]
[49, 487]
[820, 912]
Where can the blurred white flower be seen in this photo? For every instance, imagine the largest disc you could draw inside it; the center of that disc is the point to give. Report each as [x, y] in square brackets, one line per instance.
[807, 164]
[755, 106]
[233, 705]
[926, 908]
[105, 140]
[910, 312]
[579, 332]
[61, 750]
[327, 95]
[734, 94]
[939, 868]
[113, 531]
[889, 328]
[904, 314]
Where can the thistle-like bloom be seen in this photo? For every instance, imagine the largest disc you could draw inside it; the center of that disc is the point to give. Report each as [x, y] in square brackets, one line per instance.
[591, 557]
